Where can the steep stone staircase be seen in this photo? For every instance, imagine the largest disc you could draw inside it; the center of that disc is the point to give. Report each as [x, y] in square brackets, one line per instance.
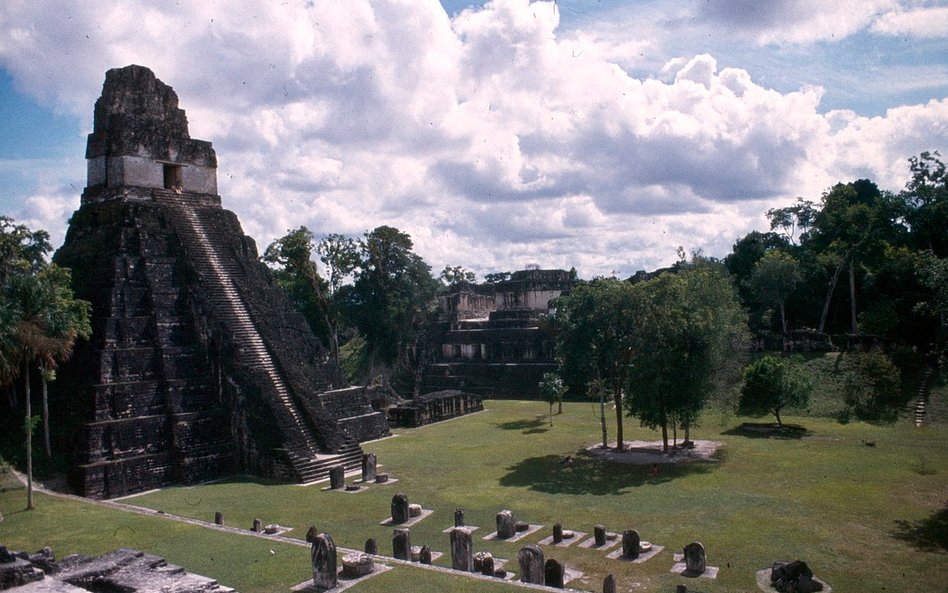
[312, 469]
[918, 405]
[219, 282]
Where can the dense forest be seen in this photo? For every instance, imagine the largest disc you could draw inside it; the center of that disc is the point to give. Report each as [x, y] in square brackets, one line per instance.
[858, 265]
[861, 271]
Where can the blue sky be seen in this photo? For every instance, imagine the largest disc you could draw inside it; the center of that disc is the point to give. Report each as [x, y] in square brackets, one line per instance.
[595, 134]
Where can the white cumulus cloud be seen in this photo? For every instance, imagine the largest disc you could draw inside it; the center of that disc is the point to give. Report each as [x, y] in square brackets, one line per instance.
[494, 139]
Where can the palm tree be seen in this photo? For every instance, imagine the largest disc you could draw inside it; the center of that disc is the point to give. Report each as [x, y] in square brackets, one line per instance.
[43, 322]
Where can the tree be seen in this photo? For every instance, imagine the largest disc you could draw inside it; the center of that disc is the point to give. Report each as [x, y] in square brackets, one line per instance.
[855, 220]
[301, 280]
[799, 217]
[553, 387]
[772, 384]
[340, 255]
[925, 200]
[43, 322]
[933, 271]
[597, 389]
[748, 250]
[393, 293]
[594, 325]
[495, 277]
[872, 387]
[776, 275]
[690, 333]
[22, 251]
[457, 275]
[40, 319]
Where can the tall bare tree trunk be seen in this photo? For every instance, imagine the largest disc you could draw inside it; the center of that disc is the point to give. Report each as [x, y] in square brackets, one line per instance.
[602, 418]
[664, 428]
[49, 449]
[783, 323]
[330, 321]
[617, 398]
[829, 292]
[29, 437]
[852, 297]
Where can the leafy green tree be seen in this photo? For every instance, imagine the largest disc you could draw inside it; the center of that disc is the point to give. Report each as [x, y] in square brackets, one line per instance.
[872, 387]
[741, 262]
[457, 275]
[748, 250]
[925, 200]
[340, 255]
[22, 251]
[41, 321]
[495, 277]
[393, 293]
[933, 271]
[776, 275]
[791, 219]
[690, 333]
[772, 384]
[298, 276]
[856, 220]
[595, 323]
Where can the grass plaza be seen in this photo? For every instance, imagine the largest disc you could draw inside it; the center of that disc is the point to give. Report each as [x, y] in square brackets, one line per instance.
[863, 517]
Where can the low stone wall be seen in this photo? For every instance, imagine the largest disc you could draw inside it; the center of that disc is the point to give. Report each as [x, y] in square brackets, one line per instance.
[434, 407]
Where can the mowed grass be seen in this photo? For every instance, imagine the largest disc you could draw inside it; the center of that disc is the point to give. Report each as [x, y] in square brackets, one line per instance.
[864, 518]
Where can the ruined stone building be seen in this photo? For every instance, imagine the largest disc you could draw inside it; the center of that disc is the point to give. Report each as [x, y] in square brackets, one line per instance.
[490, 339]
[199, 366]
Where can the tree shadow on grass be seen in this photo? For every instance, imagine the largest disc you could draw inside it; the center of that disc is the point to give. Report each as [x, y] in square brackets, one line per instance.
[590, 475]
[532, 426]
[767, 430]
[928, 535]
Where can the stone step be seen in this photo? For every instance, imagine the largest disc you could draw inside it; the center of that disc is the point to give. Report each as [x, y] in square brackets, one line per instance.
[225, 294]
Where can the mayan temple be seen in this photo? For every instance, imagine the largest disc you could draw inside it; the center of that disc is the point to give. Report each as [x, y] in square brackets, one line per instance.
[199, 366]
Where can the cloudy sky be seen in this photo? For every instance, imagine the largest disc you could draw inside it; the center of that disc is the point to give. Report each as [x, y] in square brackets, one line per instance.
[600, 134]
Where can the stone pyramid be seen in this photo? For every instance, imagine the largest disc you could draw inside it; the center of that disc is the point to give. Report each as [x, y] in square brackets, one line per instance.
[199, 366]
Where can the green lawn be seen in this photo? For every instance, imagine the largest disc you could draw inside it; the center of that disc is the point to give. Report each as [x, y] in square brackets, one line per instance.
[864, 518]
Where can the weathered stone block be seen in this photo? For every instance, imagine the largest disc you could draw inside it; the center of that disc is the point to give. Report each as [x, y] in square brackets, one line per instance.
[400, 512]
[506, 525]
[532, 564]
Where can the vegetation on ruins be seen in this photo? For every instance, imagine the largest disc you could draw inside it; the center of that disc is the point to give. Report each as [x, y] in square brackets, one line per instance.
[872, 388]
[773, 384]
[860, 266]
[889, 252]
[774, 278]
[296, 273]
[393, 293]
[875, 243]
[452, 276]
[373, 301]
[40, 321]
